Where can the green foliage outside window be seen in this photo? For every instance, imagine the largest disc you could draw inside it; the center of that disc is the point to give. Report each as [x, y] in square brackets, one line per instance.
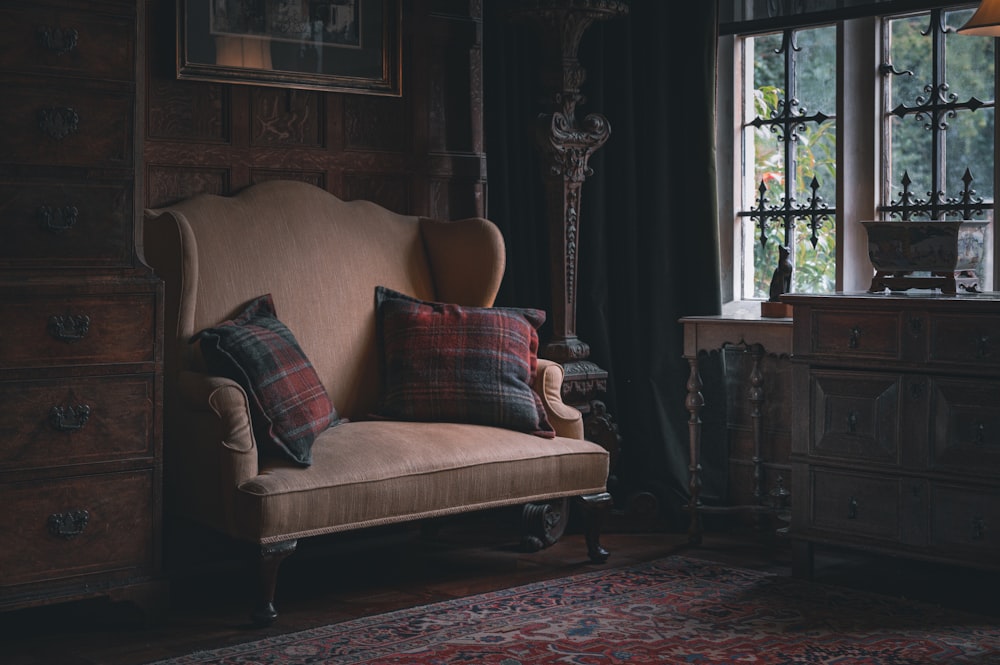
[814, 156]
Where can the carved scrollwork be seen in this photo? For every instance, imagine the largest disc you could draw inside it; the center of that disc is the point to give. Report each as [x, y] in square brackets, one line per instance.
[572, 222]
[571, 145]
[58, 122]
[69, 418]
[600, 427]
[566, 350]
[60, 40]
[69, 328]
[543, 524]
[68, 525]
[58, 220]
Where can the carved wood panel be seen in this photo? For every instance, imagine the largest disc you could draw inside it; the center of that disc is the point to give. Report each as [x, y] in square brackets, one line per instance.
[287, 118]
[421, 153]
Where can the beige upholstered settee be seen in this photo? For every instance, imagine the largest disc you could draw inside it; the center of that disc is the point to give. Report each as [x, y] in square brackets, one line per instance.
[321, 259]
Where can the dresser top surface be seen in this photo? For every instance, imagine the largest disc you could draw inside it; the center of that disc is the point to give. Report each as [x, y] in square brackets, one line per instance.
[897, 298]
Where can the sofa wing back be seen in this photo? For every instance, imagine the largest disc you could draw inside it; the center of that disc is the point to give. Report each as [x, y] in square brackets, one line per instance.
[321, 259]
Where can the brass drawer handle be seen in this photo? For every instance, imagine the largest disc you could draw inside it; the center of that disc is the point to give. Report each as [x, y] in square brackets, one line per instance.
[58, 122]
[68, 525]
[69, 418]
[852, 508]
[58, 39]
[854, 338]
[69, 328]
[58, 220]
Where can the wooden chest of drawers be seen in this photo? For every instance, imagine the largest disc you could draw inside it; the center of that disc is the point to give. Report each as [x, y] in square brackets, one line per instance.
[80, 339]
[896, 432]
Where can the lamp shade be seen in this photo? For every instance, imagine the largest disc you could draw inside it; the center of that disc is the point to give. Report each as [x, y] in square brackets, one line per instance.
[986, 20]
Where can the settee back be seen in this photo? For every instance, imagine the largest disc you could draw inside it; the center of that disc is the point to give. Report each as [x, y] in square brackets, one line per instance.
[320, 258]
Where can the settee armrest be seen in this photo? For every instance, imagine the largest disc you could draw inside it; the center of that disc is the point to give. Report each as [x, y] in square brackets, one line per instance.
[216, 449]
[565, 420]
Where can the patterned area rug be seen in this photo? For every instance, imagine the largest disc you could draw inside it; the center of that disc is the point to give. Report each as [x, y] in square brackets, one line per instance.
[676, 610]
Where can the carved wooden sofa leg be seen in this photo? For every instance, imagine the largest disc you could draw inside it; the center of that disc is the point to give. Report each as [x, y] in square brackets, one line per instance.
[543, 524]
[595, 508]
[270, 560]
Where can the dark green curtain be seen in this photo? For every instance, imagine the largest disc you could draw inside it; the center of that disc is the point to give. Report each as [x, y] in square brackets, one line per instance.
[648, 243]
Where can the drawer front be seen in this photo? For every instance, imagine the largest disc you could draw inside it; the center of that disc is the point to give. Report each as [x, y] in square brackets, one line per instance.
[855, 334]
[49, 332]
[57, 529]
[63, 127]
[74, 43]
[856, 505]
[855, 415]
[966, 426]
[73, 421]
[965, 340]
[965, 522]
[65, 225]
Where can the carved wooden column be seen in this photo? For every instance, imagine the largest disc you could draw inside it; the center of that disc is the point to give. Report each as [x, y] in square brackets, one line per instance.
[566, 145]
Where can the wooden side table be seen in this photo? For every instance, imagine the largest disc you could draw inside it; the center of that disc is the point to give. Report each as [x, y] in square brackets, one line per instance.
[757, 336]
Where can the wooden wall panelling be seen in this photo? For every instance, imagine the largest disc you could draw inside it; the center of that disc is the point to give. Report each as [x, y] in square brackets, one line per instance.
[453, 173]
[421, 153]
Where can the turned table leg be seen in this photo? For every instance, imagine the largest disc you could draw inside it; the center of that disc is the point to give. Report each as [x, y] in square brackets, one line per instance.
[756, 397]
[693, 403]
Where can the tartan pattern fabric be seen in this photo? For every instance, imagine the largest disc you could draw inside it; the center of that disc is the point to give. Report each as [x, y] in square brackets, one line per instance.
[447, 363]
[288, 404]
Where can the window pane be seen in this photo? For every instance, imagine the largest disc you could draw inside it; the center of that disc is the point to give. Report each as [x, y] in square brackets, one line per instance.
[970, 145]
[911, 52]
[815, 76]
[769, 90]
[971, 81]
[911, 150]
[815, 268]
[939, 121]
[816, 158]
[765, 258]
[794, 149]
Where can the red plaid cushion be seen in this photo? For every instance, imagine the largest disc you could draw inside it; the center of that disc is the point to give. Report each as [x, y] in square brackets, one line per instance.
[288, 404]
[447, 363]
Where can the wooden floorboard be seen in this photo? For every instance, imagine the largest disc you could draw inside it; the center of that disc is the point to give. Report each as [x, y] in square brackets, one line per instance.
[346, 577]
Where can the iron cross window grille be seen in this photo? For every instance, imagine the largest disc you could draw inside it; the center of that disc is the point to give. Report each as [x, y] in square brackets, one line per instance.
[934, 109]
[787, 122]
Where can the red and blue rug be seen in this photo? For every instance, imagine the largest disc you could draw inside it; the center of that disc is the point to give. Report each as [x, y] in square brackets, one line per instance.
[676, 610]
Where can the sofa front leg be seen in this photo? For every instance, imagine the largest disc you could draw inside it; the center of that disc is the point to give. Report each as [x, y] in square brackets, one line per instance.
[595, 508]
[270, 560]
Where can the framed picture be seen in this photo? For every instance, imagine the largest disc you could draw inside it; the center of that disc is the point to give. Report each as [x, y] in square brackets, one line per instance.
[333, 45]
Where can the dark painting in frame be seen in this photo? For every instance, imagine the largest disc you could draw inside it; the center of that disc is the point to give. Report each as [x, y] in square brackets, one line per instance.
[332, 45]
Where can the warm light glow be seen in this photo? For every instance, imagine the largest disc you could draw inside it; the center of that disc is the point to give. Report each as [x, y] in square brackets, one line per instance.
[243, 52]
[986, 20]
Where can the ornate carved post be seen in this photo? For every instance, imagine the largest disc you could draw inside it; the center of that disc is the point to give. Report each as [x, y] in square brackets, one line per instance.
[566, 146]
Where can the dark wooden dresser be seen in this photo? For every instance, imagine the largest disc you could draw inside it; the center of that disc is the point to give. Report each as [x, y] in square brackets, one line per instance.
[896, 426]
[80, 340]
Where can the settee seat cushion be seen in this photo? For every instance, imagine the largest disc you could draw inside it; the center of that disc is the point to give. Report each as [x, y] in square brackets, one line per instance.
[369, 473]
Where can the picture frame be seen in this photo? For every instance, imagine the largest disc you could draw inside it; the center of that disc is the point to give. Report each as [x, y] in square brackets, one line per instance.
[351, 46]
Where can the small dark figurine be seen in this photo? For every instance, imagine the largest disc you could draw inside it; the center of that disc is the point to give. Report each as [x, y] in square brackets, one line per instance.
[781, 281]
